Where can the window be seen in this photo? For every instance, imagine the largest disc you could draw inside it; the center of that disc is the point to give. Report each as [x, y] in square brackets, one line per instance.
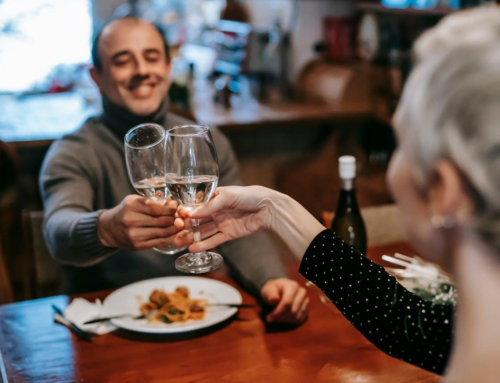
[39, 38]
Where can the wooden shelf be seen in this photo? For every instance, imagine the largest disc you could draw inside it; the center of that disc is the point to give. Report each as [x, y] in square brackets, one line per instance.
[379, 8]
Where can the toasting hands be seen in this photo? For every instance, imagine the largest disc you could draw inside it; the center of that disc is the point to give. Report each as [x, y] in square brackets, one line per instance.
[138, 223]
[238, 211]
[233, 212]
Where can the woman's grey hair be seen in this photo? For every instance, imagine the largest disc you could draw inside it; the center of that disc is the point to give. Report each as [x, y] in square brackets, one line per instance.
[450, 109]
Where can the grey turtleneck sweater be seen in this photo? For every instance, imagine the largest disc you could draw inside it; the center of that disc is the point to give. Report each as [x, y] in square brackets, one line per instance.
[84, 173]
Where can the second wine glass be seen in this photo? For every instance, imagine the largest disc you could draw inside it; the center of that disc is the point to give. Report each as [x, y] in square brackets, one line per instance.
[192, 174]
[145, 157]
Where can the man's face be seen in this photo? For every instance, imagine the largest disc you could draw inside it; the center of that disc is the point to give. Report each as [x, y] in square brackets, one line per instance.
[135, 70]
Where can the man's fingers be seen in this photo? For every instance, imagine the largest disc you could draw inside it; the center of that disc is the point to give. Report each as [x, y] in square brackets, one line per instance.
[287, 295]
[304, 308]
[180, 224]
[303, 311]
[271, 294]
[289, 317]
[298, 300]
[172, 204]
[157, 208]
[144, 234]
[158, 242]
[144, 220]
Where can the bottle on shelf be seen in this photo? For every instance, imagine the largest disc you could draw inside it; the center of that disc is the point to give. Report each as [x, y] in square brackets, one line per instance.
[348, 223]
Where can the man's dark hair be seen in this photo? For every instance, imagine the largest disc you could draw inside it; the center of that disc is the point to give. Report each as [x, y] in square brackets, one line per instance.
[96, 58]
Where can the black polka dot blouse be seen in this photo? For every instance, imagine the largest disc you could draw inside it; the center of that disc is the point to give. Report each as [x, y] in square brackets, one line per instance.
[396, 321]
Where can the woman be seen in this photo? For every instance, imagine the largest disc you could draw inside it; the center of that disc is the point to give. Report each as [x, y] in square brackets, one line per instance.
[445, 177]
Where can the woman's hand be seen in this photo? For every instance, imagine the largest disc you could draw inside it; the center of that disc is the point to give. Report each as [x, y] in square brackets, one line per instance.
[233, 212]
[237, 211]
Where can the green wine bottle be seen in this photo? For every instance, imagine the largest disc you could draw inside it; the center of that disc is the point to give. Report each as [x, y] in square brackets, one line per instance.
[347, 223]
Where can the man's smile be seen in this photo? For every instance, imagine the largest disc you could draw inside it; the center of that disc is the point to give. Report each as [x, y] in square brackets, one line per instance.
[142, 90]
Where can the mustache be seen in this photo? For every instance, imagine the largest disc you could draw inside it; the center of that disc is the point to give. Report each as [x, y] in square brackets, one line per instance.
[138, 79]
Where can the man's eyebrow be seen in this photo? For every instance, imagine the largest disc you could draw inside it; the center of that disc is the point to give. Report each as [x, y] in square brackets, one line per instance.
[118, 54]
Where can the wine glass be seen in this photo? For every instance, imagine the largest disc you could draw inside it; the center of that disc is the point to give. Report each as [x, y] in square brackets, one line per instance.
[192, 174]
[145, 157]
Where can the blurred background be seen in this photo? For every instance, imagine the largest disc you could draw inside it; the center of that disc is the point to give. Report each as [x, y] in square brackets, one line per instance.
[294, 84]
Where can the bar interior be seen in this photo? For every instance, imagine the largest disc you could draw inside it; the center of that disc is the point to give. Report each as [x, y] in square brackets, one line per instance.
[249, 190]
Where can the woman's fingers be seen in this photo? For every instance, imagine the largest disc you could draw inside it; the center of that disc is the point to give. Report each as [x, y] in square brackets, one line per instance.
[186, 236]
[186, 223]
[208, 243]
[217, 203]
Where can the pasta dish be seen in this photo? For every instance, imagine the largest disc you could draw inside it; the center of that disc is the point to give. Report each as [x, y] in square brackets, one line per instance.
[173, 307]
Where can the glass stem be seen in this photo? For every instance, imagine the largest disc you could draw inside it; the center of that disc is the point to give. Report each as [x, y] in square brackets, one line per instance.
[202, 256]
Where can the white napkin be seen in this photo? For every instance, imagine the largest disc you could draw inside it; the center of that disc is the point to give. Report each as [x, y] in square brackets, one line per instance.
[81, 310]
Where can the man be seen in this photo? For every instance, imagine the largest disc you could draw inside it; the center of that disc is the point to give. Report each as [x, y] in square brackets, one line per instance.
[96, 225]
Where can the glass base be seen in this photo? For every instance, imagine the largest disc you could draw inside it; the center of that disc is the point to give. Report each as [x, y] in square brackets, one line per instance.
[169, 250]
[199, 263]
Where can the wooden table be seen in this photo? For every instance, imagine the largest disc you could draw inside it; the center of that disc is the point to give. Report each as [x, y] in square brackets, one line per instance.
[244, 349]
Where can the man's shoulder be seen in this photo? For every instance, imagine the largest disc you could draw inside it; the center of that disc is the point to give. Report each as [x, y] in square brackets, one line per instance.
[75, 145]
[92, 134]
[89, 130]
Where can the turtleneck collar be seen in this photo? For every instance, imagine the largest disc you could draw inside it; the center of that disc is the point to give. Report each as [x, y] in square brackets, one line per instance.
[120, 120]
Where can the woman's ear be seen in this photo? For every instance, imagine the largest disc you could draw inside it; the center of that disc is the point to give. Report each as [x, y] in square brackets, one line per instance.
[448, 195]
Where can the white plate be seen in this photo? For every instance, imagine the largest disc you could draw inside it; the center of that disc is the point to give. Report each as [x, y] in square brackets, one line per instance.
[128, 299]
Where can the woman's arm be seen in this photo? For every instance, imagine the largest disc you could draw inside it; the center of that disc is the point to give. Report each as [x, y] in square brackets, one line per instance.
[393, 319]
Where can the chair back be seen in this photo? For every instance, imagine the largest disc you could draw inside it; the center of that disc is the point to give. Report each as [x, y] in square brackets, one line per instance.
[9, 169]
[383, 224]
[44, 273]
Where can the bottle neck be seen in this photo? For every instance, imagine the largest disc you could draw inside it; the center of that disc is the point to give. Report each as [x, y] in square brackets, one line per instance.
[347, 196]
[347, 183]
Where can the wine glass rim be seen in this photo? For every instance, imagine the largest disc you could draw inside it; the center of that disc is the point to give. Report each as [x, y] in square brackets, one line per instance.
[204, 129]
[161, 129]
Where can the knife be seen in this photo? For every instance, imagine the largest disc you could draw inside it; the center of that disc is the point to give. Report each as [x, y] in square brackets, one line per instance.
[236, 305]
[82, 334]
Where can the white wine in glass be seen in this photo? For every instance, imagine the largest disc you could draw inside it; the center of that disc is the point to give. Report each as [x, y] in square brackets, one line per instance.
[145, 157]
[192, 174]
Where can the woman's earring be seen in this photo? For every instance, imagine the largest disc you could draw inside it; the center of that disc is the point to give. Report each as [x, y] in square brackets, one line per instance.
[443, 222]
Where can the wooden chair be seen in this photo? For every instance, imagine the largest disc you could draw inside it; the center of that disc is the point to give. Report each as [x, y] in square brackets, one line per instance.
[43, 274]
[6, 291]
[9, 169]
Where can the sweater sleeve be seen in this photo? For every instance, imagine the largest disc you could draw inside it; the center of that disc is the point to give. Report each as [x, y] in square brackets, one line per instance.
[393, 319]
[70, 224]
[252, 260]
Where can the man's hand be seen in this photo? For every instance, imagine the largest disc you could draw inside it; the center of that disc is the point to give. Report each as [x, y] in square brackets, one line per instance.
[289, 298]
[138, 223]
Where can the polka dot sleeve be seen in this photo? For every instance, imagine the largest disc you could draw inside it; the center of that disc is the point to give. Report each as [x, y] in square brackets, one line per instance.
[396, 321]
